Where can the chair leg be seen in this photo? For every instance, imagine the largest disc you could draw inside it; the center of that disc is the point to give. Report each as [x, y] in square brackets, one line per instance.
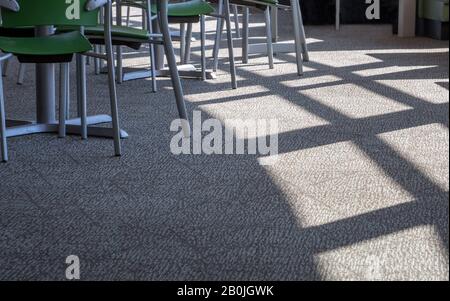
[170, 55]
[5, 67]
[246, 13]
[128, 15]
[302, 35]
[119, 66]
[112, 88]
[4, 146]
[182, 42]
[230, 44]
[152, 50]
[187, 49]
[119, 73]
[82, 107]
[153, 68]
[297, 38]
[236, 22]
[21, 75]
[269, 37]
[218, 39]
[62, 99]
[68, 92]
[97, 61]
[202, 46]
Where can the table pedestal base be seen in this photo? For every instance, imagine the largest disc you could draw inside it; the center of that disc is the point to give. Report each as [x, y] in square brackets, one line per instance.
[20, 128]
[186, 71]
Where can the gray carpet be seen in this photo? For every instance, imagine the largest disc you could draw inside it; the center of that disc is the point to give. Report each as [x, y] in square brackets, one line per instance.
[360, 191]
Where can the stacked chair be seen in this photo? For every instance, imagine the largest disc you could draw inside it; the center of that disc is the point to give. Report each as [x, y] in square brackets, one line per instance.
[58, 48]
[70, 39]
[189, 12]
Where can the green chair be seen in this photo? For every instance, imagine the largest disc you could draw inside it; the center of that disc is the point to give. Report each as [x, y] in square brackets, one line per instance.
[3, 145]
[59, 48]
[133, 37]
[188, 12]
[16, 32]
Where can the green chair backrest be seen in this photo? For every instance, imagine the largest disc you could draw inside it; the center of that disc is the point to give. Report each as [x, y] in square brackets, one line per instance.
[50, 12]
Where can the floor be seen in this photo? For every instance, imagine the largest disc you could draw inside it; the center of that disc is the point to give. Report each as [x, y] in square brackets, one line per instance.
[360, 190]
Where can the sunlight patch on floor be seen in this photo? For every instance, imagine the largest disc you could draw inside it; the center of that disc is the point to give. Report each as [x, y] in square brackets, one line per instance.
[424, 89]
[392, 256]
[389, 70]
[427, 147]
[354, 101]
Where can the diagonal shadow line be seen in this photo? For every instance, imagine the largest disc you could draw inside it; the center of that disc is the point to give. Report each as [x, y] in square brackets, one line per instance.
[406, 212]
[381, 89]
[369, 126]
[231, 98]
[410, 178]
[330, 114]
[403, 216]
[375, 224]
[444, 85]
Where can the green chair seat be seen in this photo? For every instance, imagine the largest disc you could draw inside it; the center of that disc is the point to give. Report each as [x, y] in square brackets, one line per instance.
[59, 44]
[191, 8]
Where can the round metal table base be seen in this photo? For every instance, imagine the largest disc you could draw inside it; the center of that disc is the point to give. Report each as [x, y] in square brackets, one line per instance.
[185, 71]
[20, 128]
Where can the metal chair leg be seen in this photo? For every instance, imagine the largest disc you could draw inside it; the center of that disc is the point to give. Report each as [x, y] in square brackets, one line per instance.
[202, 46]
[218, 39]
[187, 48]
[305, 53]
[274, 23]
[97, 61]
[21, 75]
[112, 84]
[246, 13]
[297, 36]
[128, 15]
[230, 44]
[68, 92]
[62, 99]
[82, 95]
[78, 83]
[119, 48]
[151, 47]
[5, 67]
[182, 42]
[119, 66]
[269, 37]
[179, 97]
[236, 22]
[4, 146]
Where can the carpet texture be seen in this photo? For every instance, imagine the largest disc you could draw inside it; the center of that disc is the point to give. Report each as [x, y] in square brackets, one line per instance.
[360, 190]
